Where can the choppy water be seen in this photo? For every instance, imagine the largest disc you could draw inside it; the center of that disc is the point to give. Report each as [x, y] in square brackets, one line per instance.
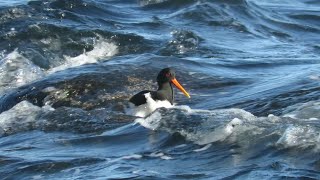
[68, 68]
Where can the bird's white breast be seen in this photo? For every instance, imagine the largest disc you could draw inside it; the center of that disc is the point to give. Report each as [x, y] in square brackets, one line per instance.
[147, 108]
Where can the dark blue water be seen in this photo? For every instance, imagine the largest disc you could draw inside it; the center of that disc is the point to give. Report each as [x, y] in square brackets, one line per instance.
[68, 68]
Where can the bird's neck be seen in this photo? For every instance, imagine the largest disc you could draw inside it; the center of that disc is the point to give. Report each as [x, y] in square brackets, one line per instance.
[168, 90]
[165, 86]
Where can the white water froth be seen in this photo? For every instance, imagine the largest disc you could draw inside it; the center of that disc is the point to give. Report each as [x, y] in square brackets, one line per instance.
[301, 137]
[102, 49]
[304, 111]
[152, 122]
[133, 156]
[160, 155]
[16, 70]
[21, 117]
[203, 148]
[236, 125]
[146, 109]
[150, 2]
[314, 77]
[212, 131]
[221, 133]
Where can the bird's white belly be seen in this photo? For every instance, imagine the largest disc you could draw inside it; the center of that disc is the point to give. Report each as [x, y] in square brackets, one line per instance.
[147, 108]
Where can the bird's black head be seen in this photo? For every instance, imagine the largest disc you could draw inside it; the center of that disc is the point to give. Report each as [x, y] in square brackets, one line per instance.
[165, 75]
[168, 75]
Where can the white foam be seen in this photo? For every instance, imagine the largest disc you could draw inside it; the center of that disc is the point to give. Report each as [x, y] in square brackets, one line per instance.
[314, 77]
[37, 177]
[299, 136]
[204, 126]
[146, 172]
[77, 171]
[293, 116]
[161, 155]
[16, 70]
[203, 148]
[133, 156]
[218, 134]
[151, 122]
[304, 111]
[181, 146]
[102, 49]
[272, 118]
[166, 157]
[147, 108]
[231, 125]
[150, 2]
[49, 89]
[21, 117]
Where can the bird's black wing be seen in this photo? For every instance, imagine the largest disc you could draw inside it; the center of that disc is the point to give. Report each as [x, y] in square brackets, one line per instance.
[139, 98]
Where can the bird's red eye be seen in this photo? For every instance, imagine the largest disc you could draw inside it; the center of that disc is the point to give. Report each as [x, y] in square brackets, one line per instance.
[168, 75]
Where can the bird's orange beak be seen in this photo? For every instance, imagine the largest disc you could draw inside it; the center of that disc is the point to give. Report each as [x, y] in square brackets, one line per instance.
[178, 85]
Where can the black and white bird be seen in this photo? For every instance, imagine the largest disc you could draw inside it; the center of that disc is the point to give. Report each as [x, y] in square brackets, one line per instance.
[147, 101]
